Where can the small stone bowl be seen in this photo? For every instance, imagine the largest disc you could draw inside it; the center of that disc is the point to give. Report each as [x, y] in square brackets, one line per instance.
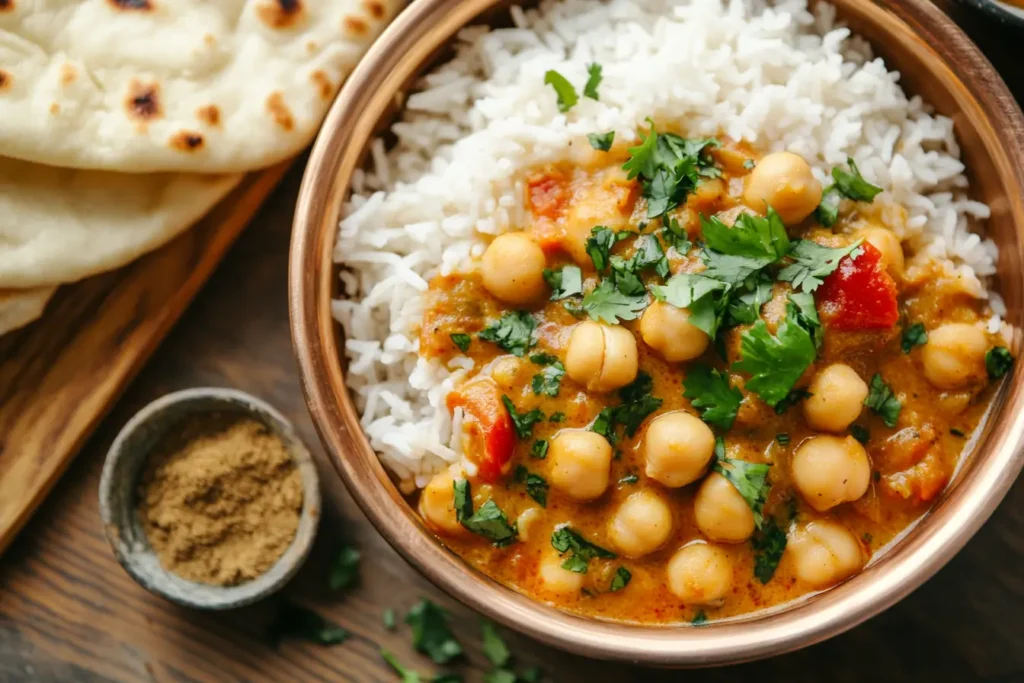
[119, 500]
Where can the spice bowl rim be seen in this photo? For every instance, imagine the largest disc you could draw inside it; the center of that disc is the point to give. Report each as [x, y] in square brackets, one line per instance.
[939, 63]
[125, 462]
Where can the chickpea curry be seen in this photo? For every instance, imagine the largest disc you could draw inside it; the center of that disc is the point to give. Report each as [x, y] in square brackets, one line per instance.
[703, 384]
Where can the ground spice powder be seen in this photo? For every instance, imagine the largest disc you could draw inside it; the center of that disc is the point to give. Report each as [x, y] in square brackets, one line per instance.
[220, 499]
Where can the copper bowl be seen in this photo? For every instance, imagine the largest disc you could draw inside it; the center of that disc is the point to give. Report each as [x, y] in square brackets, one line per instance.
[938, 62]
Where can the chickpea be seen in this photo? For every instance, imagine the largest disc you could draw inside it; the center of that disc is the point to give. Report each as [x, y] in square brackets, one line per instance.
[954, 355]
[528, 521]
[829, 470]
[784, 181]
[837, 397]
[888, 245]
[700, 573]
[437, 505]
[580, 463]
[668, 330]
[555, 579]
[601, 357]
[721, 512]
[678, 448]
[513, 269]
[824, 553]
[641, 525]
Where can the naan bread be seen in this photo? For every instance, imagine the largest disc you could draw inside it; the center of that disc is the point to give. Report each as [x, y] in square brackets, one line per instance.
[60, 225]
[211, 86]
[20, 307]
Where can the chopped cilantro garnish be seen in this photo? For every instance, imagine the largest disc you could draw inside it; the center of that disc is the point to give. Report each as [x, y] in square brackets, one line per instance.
[431, 634]
[539, 450]
[745, 308]
[709, 391]
[750, 479]
[699, 619]
[915, 335]
[566, 94]
[564, 282]
[674, 235]
[548, 381]
[408, 675]
[462, 341]
[513, 332]
[882, 401]
[768, 544]
[696, 293]
[604, 424]
[807, 316]
[956, 432]
[782, 438]
[295, 621]
[523, 422]
[792, 398]
[566, 540]
[593, 80]
[601, 141]
[489, 521]
[775, 363]
[828, 209]
[764, 239]
[860, 433]
[998, 361]
[749, 164]
[543, 358]
[494, 646]
[852, 184]
[630, 478]
[557, 417]
[637, 404]
[669, 167]
[536, 485]
[620, 580]
[344, 570]
[605, 303]
[600, 243]
[812, 262]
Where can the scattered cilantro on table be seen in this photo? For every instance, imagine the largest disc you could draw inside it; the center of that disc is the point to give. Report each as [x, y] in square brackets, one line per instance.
[883, 401]
[388, 618]
[489, 521]
[494, 646]
[709, 391]
[513, 332]
[580, 551]
[344, 571]
[295, 621]
[431, 634]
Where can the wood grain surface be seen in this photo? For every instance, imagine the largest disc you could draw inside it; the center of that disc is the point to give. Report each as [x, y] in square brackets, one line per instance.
[69, 613]
[60, 375]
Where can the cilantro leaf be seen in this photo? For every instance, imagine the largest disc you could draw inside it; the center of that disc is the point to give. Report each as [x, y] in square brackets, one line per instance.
[792, 398]
[549, 380]
[539, 450]
[998, 361]
[745, 308]
[544, 359]
[600, 243]
[812, 262]
[642, 158]
[344, 570]
[860, 433]
[775, 363]
[388, 618]
[593, 80]
[696, 293]
[649, 254]
[882, 401]
[807, 316]
[828, 209]
[513, 332]
[605, 303]
[601, 141]
[462, 341]
[709, 391]
[431, 634]
[620, 580]
[557, 417]
[500, 676]
[295, 621]
[494, 646]
[763, 239]
[669, 167]
[581, 551]
[408, 675]
[852, 184]
[564, 282]
[536, 485]
[731, 270]
[699, 619]
[915, 335]
[782, 438]
[523, 422]
[637, 403]
[750, 479]
[674, 235]
[489, 521]
[566, 94]
[604, 424]
[768, 544]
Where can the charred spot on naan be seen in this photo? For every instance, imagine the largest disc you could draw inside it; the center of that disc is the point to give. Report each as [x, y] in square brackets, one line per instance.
[144, 5]
[280, 112]
[5, 78]
[375, 8]
[68, 74]
[323, 83]
[186, 141]
[280, 13]
[6, 5]
[354, 26]
[209, 114]
[143, 101]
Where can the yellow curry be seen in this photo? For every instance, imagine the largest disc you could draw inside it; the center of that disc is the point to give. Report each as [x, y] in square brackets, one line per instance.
[703, 384]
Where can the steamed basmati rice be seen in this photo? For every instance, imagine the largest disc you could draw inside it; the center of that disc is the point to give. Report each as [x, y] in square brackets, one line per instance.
[779, 76]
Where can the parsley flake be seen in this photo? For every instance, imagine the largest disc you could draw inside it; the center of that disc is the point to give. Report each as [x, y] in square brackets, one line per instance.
[548, 381]
[523, 422]
[915, 335]
[539, 450]
[593, 80]
[883, 401]
[513, 332]
[462, 341]
[489, 521]
[709, 391]
[565, 93]
[581, 551]
[536, 485]
[620, 580]
[601, 141]
[998, 362]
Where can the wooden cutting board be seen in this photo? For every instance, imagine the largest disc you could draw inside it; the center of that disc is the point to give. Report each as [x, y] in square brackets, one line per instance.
[60, 375]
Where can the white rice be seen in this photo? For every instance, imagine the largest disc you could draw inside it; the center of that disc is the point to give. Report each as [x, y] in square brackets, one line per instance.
[780, 77]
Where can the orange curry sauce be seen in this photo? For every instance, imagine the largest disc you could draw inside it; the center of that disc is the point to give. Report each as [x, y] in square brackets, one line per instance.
[910, 462]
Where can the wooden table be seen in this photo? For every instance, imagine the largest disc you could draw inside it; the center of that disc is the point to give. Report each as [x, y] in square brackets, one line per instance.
[69, 613]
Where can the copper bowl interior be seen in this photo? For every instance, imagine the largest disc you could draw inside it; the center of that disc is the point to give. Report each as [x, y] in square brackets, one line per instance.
[937, 62]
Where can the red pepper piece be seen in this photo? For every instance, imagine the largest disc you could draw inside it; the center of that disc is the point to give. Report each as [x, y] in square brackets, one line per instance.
[859, 294]
[488, 425]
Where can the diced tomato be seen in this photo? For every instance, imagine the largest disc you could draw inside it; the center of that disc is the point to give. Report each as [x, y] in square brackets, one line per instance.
[859, 294]
[488, 425]
[547, 195]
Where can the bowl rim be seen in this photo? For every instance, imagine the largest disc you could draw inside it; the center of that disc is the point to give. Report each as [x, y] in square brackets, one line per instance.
[957, 515]
[118, 511]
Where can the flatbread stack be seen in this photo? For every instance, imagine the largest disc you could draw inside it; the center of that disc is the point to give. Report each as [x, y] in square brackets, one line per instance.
[125, 121]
